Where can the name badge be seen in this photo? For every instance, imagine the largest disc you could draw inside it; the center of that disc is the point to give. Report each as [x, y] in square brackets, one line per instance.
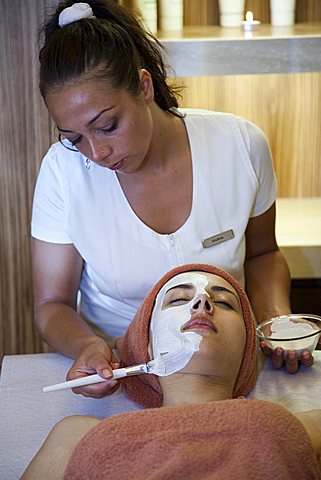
[219, 238]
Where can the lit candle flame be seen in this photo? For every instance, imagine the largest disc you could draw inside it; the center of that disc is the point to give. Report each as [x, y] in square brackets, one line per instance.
[249, 17]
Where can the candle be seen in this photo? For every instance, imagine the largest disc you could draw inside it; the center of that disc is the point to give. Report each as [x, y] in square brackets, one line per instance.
[249, 24]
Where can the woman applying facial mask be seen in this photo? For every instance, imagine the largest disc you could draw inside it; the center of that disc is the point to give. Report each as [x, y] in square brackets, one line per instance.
[208, 429]
[136, 186]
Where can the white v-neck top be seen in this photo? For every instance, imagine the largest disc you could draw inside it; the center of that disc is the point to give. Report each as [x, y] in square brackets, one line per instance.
[233, 180]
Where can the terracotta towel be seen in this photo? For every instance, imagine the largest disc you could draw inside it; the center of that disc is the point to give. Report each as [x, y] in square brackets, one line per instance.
[238, 439]
[146, 389]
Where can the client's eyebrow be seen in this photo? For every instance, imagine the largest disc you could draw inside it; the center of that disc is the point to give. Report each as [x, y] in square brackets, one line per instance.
[217, 288]
[185, 286]
[214, 289]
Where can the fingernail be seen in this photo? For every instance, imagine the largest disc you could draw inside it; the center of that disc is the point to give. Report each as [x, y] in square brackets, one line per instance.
[113, 383]
[279, 352]
[291, 355]
[107, 373]
[306, 355]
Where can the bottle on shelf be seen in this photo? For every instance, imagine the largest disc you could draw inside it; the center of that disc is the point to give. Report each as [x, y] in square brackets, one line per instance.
[231, 12]
[170, 14]
[282, 12]
[147, 9]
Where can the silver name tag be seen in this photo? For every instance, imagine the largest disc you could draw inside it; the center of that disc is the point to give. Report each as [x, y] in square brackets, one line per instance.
[219, 238]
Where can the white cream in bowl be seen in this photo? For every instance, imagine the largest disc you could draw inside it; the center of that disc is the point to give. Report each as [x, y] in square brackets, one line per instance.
[291, 332]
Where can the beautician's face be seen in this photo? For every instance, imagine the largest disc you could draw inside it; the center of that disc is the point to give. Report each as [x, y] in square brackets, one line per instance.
[205, 307]
[110, 127]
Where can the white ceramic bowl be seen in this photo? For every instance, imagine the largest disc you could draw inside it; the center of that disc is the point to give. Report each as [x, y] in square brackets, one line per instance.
[299, 332]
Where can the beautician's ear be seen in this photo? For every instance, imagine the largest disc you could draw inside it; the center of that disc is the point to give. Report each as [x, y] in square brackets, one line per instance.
[147, 86]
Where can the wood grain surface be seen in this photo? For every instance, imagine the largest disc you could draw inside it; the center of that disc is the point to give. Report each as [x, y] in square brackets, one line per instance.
[24, 138]
[286, 106]
[206, 12]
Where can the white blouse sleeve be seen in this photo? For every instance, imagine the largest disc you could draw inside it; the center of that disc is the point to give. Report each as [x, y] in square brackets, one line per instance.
[49, 211]
[261, 158]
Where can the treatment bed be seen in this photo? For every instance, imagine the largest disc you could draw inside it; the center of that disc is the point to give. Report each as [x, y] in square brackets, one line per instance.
[27, 414]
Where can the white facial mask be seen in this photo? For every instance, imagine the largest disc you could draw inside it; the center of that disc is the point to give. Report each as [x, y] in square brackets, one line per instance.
[166, 324]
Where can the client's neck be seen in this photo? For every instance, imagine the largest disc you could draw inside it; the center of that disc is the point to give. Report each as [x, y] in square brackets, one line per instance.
[180, 389]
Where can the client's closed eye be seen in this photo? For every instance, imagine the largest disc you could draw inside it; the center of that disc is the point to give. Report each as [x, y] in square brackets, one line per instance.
[178, 301]
[224, 304]
[178, 295]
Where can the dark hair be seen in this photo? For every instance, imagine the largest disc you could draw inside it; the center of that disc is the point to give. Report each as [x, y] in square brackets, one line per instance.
[114, 46]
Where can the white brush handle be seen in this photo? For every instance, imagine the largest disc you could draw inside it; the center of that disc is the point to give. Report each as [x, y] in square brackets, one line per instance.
[89, 380]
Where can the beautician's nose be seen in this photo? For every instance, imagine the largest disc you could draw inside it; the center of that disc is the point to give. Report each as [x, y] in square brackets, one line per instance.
[99, 151]
[202, 304]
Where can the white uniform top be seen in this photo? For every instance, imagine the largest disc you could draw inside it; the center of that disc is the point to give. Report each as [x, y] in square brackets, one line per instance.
[233, 180]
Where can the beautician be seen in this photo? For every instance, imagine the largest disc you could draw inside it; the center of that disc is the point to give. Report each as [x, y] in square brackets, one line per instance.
[135, 187]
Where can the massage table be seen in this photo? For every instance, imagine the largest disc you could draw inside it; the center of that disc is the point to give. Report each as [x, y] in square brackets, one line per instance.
[27, 414]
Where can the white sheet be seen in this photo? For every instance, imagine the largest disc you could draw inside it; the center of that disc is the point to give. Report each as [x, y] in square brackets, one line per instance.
[27, 414]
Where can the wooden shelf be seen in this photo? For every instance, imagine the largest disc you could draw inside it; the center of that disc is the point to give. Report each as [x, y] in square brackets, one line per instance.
[263, 31]
[214, 50]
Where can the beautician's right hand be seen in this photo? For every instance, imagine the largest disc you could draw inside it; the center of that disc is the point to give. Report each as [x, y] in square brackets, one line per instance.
[96, 357]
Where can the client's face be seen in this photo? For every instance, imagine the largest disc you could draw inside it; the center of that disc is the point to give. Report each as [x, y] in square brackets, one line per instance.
[202, 309]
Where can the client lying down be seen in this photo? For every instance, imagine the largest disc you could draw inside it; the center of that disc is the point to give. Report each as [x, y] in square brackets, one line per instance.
[205, 429]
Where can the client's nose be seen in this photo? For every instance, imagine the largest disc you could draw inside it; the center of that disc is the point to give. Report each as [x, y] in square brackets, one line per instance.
[202, 304]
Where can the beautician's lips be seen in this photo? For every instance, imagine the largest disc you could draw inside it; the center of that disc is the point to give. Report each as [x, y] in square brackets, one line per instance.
[117, 165]
[199, 323]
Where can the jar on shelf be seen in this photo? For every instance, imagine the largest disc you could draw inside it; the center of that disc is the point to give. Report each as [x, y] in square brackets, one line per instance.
[282, 12]
[231, 12]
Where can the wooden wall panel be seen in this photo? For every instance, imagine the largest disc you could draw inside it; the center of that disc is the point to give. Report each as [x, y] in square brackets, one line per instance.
[202, 12]
[206, 12]
[308, 11]
[287, 107]
[24, 137]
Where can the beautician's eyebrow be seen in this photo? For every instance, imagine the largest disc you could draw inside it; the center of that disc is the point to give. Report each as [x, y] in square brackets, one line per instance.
[184, 286]
[90, 121]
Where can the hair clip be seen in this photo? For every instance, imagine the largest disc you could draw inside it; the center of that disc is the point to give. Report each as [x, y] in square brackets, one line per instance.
[74, 13]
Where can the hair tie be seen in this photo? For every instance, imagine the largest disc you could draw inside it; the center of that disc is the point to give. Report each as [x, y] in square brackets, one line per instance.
[74, 13]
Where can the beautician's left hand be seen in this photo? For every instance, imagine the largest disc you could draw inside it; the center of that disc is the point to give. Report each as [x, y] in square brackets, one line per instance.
[291, 361]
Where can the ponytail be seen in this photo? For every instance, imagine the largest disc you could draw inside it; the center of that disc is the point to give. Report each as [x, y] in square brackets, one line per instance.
[112, 45]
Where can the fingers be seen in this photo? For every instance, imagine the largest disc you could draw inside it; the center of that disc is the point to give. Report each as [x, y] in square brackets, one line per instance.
[290, 360]
[307, 359]
[98, 390]
[277, 358]
[96, 358]
[265, 349]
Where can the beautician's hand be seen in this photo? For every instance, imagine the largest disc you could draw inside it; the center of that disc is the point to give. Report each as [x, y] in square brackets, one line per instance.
[97, 357]
[291, 361]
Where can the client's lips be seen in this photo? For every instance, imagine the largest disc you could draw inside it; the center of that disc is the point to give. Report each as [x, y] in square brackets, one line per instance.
[199, 323]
